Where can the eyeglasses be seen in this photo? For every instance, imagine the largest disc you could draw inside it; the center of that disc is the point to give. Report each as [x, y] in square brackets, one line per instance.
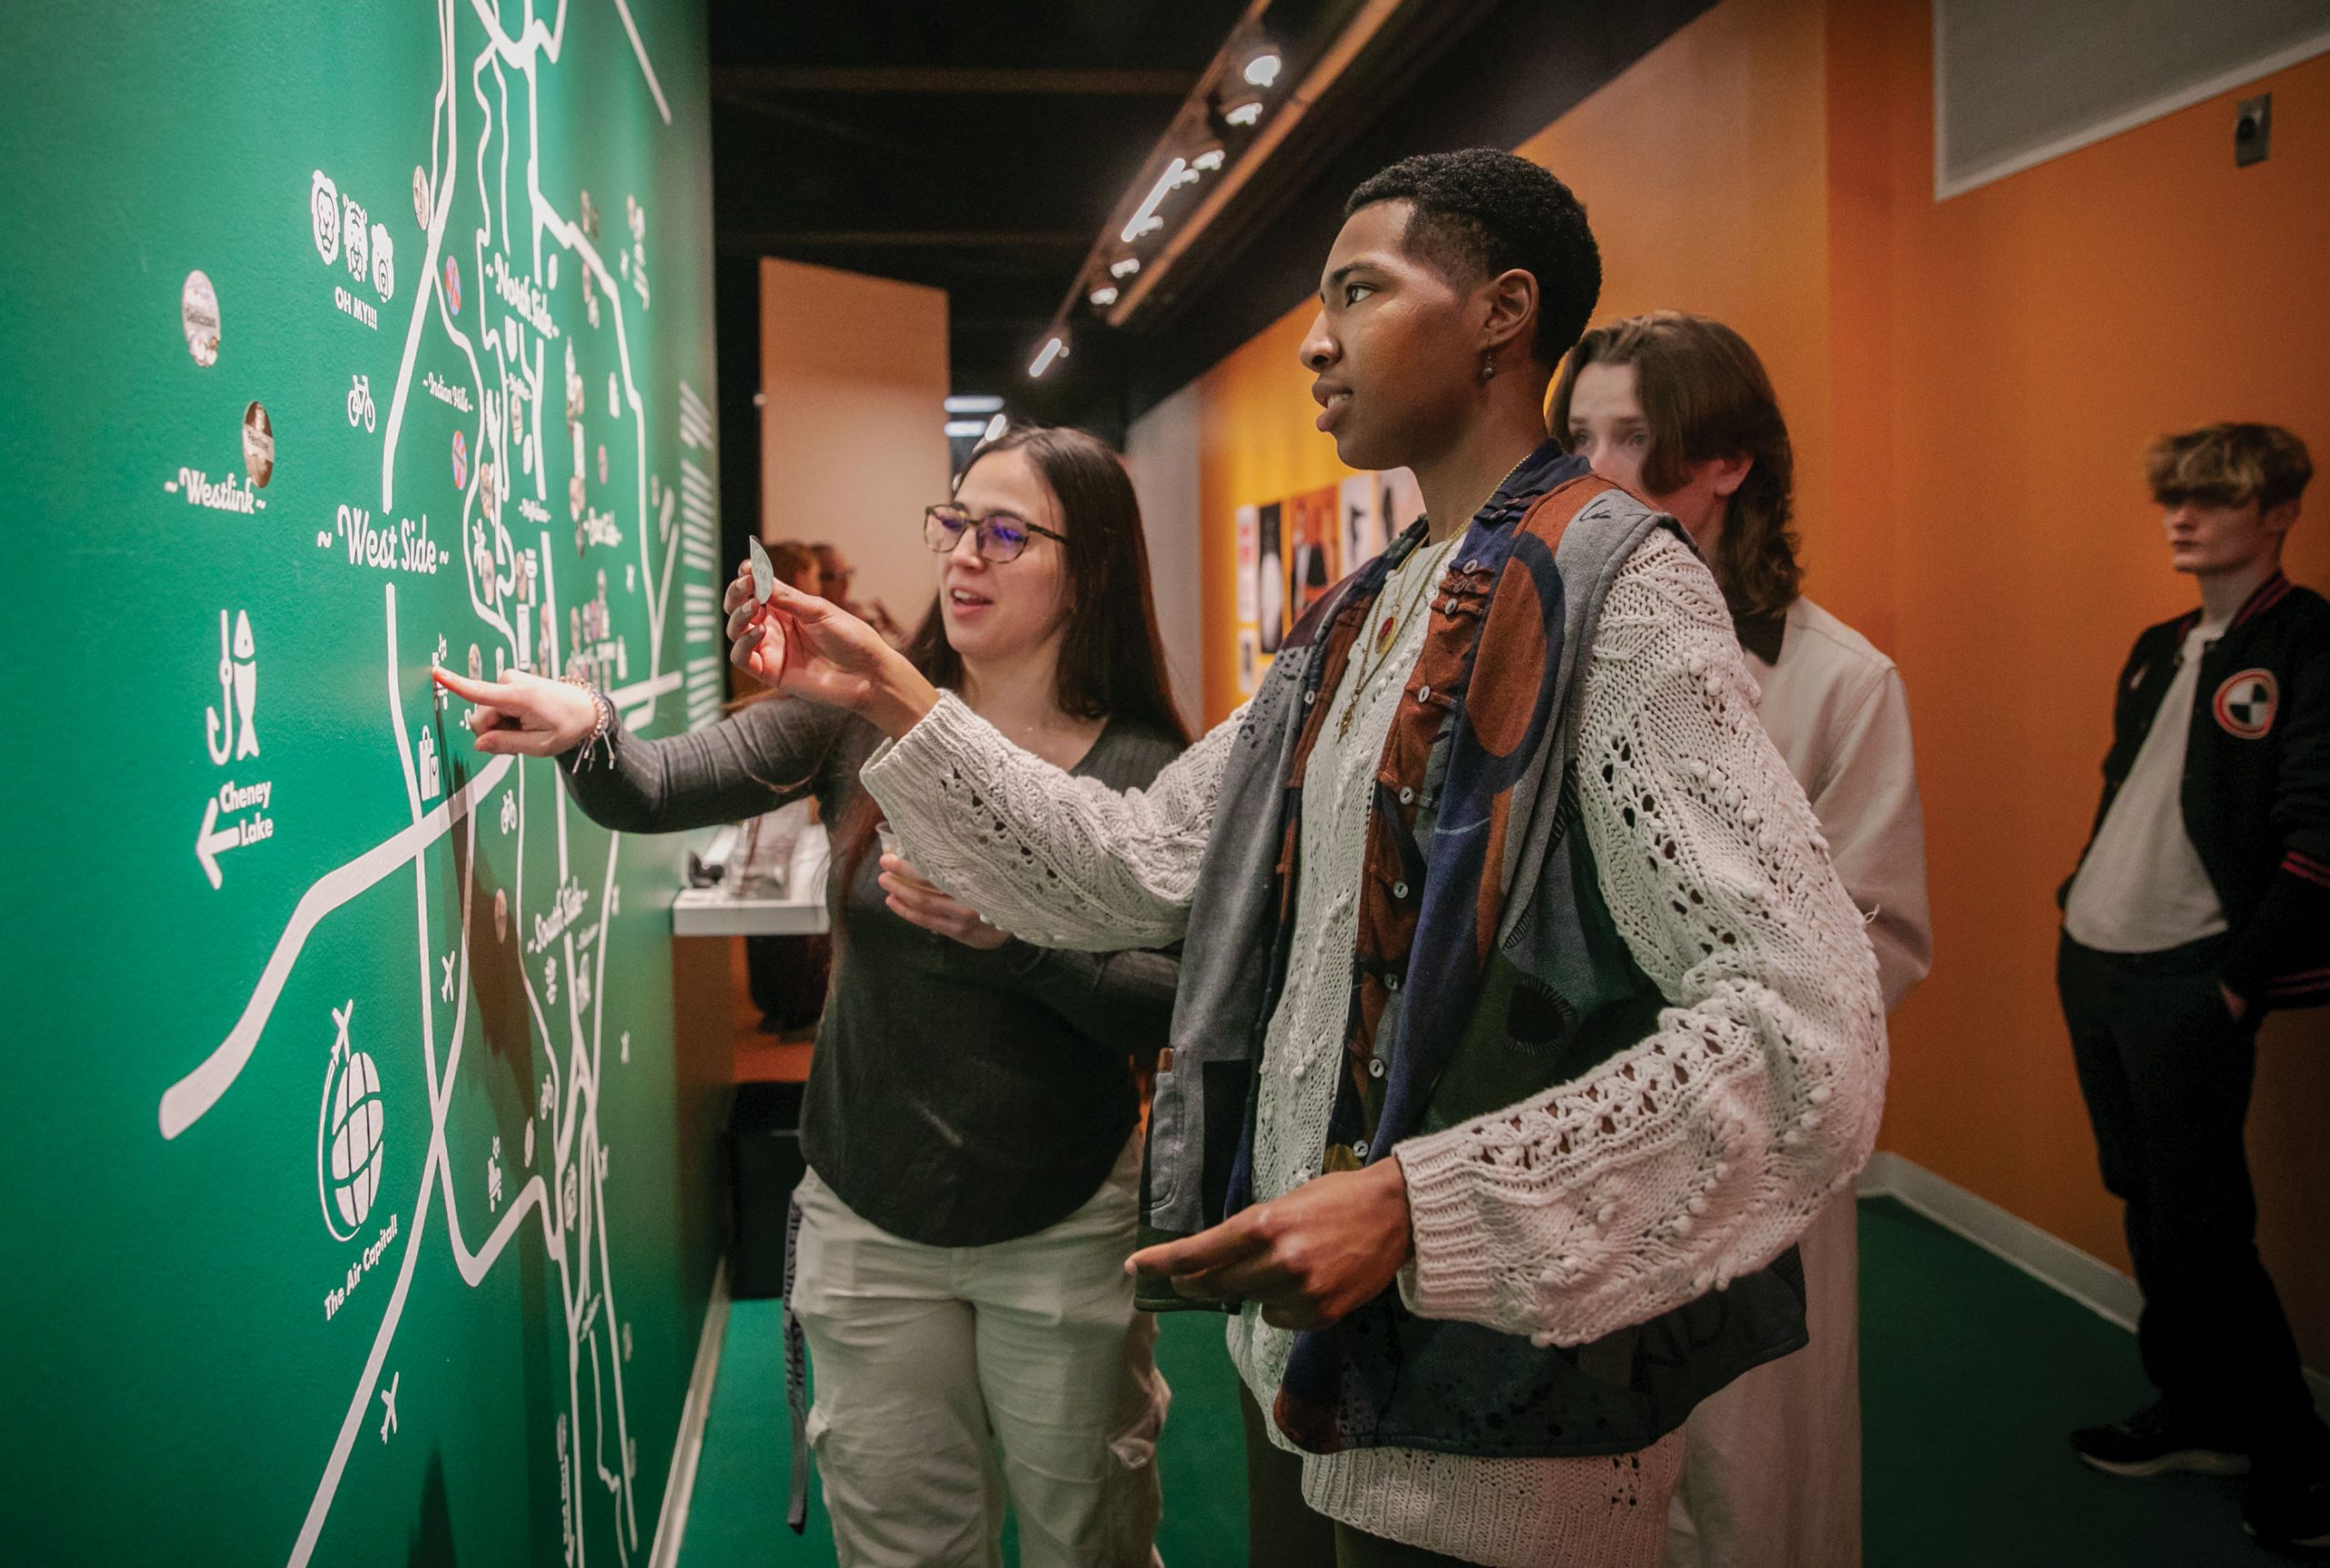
[1001, 536]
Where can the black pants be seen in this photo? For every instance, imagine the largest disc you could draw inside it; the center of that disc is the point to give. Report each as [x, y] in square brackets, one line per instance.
[2166, 1073]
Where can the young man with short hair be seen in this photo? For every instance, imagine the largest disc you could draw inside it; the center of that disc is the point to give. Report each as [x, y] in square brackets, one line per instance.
[1523, 1022]
[2203, 900]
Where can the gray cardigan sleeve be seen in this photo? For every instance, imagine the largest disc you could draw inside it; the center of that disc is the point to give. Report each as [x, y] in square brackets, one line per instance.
[753, 760]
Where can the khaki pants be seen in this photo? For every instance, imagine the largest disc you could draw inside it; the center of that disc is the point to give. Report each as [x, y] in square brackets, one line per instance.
[1771, 1463]
[949, 1376]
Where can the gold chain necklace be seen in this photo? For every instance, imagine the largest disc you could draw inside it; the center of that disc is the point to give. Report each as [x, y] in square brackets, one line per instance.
[1387, 635]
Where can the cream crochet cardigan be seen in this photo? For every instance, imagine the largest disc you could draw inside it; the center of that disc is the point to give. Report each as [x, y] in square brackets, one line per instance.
[1698, 1154]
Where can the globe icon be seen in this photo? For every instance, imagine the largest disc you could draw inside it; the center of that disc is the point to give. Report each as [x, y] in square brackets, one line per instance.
[349, 1156]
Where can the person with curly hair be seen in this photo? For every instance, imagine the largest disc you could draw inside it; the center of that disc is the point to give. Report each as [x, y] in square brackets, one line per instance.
[1523, 1024]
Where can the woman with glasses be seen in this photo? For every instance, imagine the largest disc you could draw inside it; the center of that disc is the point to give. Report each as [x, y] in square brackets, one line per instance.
[972, 1101]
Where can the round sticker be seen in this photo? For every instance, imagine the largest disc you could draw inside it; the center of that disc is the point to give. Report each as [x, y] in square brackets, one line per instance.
[574, 495]
[323, 203]
[453, 285]
[602, 465]
[421, 197]
[2246, 704]
[258, 445]
[461, 460]
[198, 314]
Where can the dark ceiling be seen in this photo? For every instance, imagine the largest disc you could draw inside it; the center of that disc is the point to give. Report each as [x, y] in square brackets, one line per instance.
[981, 147]
[974, 148]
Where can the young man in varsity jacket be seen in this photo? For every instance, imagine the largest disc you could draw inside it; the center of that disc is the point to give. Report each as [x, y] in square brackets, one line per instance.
[2203, 900]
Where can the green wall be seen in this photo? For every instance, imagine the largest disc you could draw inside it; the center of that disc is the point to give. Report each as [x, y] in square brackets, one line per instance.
[357, 1188]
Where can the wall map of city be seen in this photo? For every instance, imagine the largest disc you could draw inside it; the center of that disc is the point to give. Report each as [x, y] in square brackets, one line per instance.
[349, 1209]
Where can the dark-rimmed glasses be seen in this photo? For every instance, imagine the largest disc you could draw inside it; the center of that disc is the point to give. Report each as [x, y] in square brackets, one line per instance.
[1001, 535]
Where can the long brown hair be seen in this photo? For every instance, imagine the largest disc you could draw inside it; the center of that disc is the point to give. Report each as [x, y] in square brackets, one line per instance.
[1705, 395]
[1111, 657]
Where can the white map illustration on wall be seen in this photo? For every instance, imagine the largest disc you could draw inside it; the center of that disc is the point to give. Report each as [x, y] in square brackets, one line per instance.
[505, 336]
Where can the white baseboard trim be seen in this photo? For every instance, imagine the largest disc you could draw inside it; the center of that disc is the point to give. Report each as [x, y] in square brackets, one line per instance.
[679, 1487]
[2045, 1256]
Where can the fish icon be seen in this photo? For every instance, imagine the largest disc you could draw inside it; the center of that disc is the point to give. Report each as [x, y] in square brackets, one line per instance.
[231, 732]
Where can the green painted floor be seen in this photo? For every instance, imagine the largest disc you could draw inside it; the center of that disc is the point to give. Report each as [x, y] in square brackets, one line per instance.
[1972, 1373]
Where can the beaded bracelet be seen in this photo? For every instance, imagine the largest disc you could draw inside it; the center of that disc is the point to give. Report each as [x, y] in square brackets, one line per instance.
[603, 730]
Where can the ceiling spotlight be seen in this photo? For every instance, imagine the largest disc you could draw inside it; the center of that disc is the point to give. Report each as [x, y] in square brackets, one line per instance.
[1057, 349]
[961, 430]
[1176, 174]
[1104, 295]
[1261, 70]
[1124, 267]
[1208, 160]
[975, 403]
[995, 427]
[1245, 111]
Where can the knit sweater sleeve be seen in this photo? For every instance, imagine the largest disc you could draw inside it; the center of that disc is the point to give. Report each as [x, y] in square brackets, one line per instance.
[1055, 860]
[1702, 1152]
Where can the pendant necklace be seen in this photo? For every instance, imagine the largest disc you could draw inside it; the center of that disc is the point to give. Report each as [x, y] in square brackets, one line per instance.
[1387, 633]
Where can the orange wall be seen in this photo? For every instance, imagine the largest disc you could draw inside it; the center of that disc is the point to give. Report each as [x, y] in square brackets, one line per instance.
[2024, 341]
[1971, 386]
[1256, 443]
[852, 432]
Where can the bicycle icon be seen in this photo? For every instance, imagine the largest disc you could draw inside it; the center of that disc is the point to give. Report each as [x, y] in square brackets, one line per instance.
[360, 403]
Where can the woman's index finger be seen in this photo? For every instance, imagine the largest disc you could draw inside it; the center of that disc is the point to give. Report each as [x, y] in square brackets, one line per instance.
[469, 691]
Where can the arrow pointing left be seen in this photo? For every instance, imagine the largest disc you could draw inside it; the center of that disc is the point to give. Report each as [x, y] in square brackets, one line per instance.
[209, 844]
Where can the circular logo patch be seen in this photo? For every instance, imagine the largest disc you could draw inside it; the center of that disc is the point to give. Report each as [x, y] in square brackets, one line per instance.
[2246, 704]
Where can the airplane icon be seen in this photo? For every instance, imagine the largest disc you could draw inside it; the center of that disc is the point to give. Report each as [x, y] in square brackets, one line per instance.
[389, 1397]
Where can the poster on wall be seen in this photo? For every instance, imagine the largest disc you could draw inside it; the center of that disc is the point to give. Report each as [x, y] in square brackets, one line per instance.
[1399, 501]
[1270, 570]
[1248, 602]
[1362, 520]
[1249, 612]
[1317, 534]
[1290, 552]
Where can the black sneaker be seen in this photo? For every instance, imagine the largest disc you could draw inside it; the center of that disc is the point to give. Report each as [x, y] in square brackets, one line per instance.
[2289, 1511]
[2151, 1442]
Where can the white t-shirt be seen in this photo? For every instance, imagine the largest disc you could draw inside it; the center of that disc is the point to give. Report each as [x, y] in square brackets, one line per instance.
[2142, 888]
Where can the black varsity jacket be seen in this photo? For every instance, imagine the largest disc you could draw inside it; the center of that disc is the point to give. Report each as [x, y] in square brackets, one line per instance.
[2256, 792]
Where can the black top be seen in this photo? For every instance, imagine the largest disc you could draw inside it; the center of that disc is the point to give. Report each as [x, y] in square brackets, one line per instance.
[956, 1096]
[2256, 787]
